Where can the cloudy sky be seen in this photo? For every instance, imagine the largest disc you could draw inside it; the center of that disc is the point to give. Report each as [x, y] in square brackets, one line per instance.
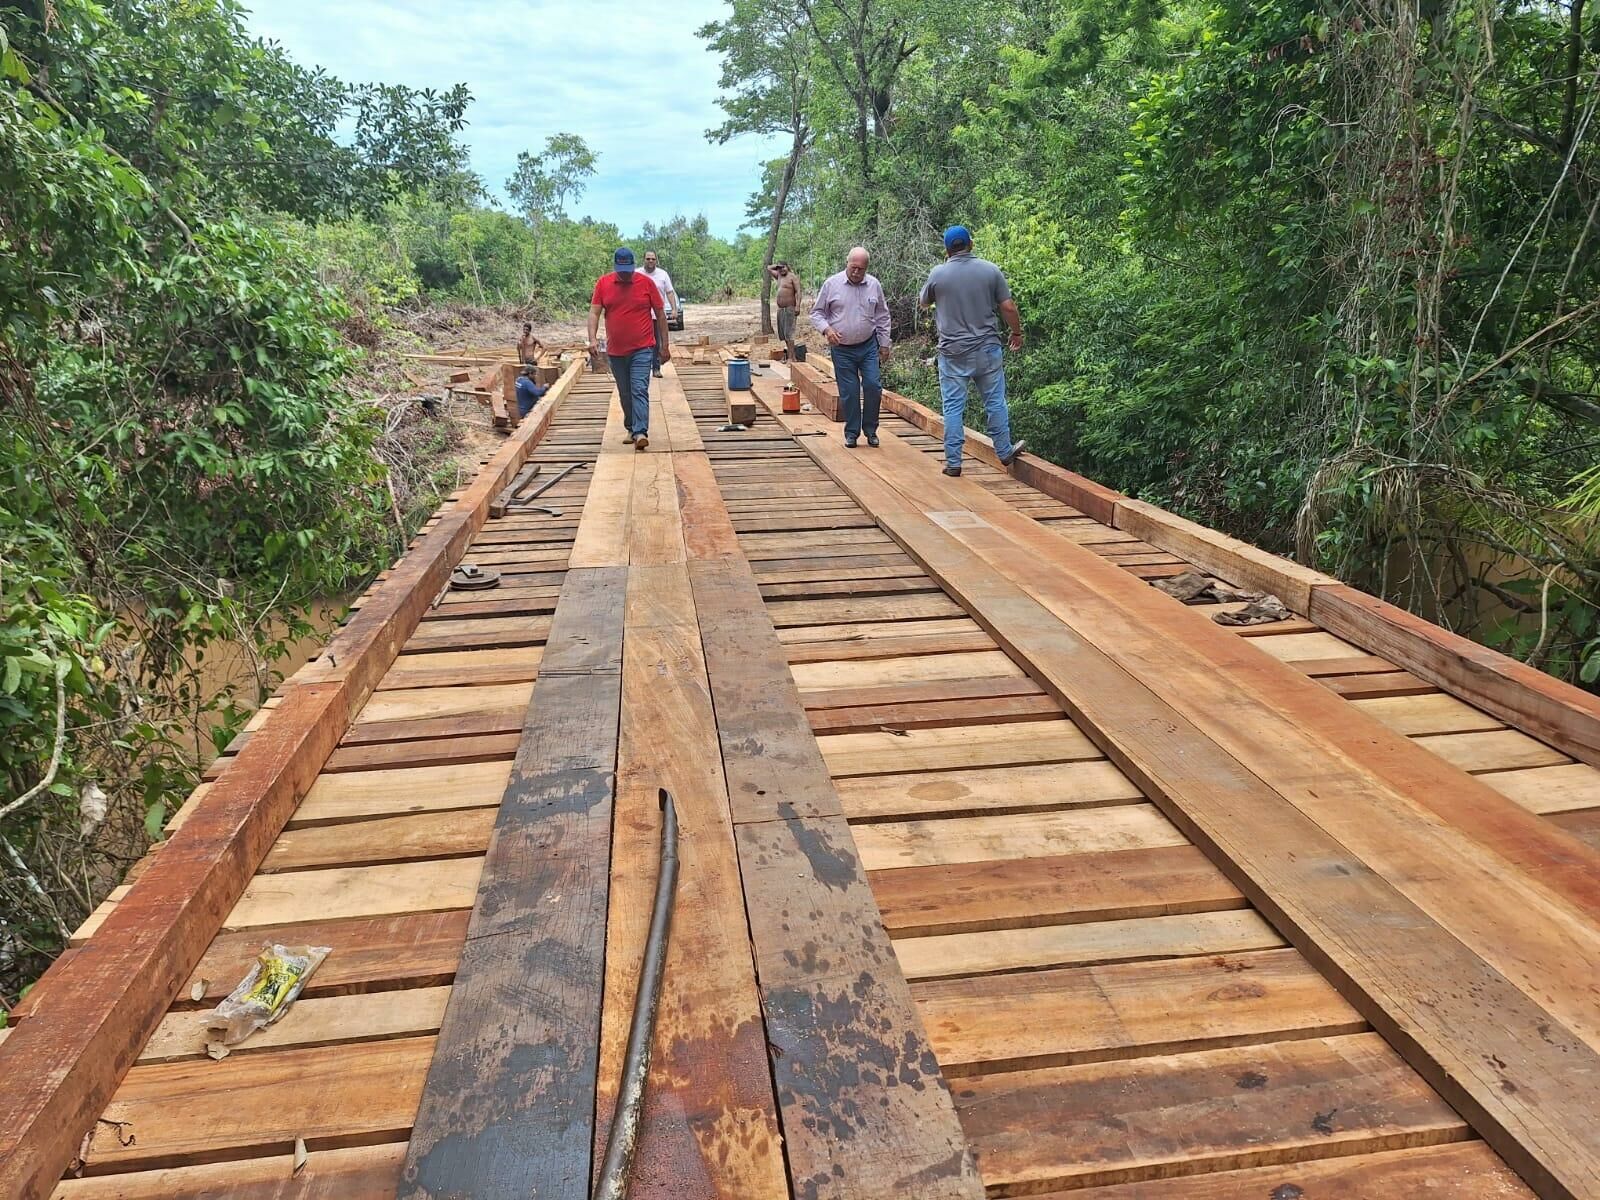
[630, 78]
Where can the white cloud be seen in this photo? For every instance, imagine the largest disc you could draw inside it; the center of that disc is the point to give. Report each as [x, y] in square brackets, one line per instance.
[634, 82]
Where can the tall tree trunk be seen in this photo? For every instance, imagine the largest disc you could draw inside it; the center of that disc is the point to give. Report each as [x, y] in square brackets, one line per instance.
[796, 149]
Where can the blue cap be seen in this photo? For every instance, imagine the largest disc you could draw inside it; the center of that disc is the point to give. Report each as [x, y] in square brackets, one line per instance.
[955, 235]
[623, 260]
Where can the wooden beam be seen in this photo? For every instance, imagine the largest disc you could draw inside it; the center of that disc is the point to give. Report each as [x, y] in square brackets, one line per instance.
[816, 389]
[96, 1009]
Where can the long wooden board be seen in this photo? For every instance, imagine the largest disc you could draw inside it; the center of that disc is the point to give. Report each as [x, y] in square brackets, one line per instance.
[508, 1109]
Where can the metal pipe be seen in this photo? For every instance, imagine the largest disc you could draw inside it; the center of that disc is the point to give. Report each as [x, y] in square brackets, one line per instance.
[623, 1139]
[547, 485]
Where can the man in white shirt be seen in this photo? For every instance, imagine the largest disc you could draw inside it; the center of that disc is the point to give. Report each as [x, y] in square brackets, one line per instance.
[658, 276]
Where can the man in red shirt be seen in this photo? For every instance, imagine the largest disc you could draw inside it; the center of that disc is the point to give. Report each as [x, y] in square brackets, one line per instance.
[636, 321]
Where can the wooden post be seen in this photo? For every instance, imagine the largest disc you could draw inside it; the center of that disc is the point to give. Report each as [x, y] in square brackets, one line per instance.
[508, 393]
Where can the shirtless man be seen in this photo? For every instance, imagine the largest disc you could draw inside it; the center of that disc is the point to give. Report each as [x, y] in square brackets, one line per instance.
[528, 346]
[788, 300]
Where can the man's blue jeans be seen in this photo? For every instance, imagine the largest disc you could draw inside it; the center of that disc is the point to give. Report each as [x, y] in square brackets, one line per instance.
[984, 367]
[632, 373]
[855, 370]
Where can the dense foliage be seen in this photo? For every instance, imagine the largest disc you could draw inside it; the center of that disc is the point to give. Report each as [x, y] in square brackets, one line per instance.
[184, 463]
[1320, 274]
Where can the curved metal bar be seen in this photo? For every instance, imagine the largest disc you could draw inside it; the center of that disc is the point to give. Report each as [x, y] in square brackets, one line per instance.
[624, 1136]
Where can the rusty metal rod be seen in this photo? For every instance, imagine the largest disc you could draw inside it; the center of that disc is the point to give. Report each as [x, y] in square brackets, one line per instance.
[623, 1139]
[547, 485]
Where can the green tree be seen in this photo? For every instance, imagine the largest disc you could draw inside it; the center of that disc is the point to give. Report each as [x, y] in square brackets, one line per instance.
[766, 81]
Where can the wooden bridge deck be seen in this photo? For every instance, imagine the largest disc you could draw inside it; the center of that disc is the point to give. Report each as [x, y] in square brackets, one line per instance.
[1002, 871]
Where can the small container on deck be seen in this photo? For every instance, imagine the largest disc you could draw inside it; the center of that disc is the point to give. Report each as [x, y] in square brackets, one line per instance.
[738, 374]
[791, 399]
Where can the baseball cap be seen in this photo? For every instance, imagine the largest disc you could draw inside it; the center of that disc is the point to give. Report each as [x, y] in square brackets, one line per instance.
[623, 260]
[955, 235]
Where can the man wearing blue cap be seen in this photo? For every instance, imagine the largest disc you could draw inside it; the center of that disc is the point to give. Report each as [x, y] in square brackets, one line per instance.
[965, 292]
[636, 325]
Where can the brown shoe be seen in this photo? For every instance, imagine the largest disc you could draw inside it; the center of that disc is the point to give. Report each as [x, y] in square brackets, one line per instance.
[953, 472]
[640, 442]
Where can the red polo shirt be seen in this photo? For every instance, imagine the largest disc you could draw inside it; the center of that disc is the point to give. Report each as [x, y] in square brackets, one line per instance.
[628, 308]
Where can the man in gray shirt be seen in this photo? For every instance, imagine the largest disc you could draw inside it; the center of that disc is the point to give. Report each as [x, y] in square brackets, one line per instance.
[965, 292]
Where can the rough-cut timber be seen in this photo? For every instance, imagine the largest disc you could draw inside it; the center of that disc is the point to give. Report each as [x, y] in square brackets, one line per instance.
[509, 1105]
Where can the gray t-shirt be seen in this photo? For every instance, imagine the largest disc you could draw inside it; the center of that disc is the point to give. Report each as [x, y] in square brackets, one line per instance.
[966, 293]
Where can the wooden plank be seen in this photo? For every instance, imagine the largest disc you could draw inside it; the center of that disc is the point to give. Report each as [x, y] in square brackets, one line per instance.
[1274, 1103]
[1523, 696]
[410, 950]
[1583, 825]
[832, 612]
[410, 704]
[916, 693]
[509, 1104]
[866, 1111]
[655, 531]
[1550, 789]
[1022, 835]
[311, 1022]
[991, 790]
[1496, 750]
[1416, 715]
[361, 794]
[1052, 889]
[871, 631]
[384, 840]
[336, 892]
[1132, 1010]
[427, 752]
[761, 722]
[941, 749]
[362, 1173]
[1082, 943]
[602, 539]
[1465, 1169]
[826, 676]
[930, 716]
[971, 641]
[256, 1104]
[709, 1126]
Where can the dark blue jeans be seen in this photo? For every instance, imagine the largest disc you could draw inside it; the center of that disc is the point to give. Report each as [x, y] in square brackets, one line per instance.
[632, 373]
[855, 370]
